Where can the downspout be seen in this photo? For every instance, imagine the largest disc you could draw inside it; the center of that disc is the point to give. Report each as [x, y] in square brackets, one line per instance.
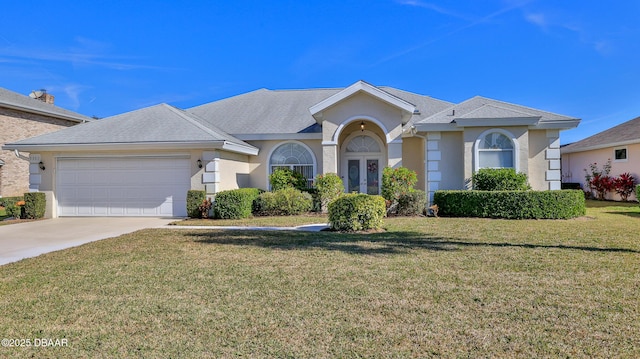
[22, 157]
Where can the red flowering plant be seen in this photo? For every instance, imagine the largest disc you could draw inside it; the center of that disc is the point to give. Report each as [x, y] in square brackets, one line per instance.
[624, 185]
[598, 180]
[601, 184]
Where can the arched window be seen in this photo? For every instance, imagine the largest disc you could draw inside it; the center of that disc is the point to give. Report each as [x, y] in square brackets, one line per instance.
[296, 157]
[363, 144]
[495, 150]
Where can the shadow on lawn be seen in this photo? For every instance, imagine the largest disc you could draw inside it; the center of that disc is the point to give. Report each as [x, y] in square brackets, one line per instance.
[368, 244]
[628, 214]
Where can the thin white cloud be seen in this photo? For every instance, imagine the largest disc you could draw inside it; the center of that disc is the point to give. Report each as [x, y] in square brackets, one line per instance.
[550, 22]
[84, 52]
[513, 5]
[538, 19]
[436, 8]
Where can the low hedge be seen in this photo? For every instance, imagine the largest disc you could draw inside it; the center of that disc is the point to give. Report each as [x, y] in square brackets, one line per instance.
[283, 202]
[638, 193]
[562, 204]
[6, 201]
[412, 203]
[235, 204]
[34, 205]
[11, 207]
[357, 212]
[194, 200]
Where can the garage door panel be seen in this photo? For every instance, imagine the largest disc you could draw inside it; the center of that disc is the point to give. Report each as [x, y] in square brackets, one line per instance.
[122, 186]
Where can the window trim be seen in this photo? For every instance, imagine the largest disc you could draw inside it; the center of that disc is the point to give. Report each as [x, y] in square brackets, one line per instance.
[305, 146]
[477, 150]
[626, 154]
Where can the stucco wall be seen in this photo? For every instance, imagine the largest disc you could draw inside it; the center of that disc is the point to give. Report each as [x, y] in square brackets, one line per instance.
[451, 147]
[574, 164]
[15, 126]
[235, 171]
[413, 158]
[538, 163]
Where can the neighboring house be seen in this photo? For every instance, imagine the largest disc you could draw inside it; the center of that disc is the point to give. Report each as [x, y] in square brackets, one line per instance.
[23, 117]
[620, 144]
[143, 162]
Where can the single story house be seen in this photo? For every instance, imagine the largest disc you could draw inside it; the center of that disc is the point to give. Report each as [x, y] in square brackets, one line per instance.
[619, 144]
[143, 162]
[23, 117]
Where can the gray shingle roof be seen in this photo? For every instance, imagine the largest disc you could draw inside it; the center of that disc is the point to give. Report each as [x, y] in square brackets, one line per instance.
[625, 133]
[155, 124]
[287, 111]
[483, 108]
[14, 100]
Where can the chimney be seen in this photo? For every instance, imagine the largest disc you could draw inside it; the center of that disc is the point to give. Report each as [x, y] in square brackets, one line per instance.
[43, 96]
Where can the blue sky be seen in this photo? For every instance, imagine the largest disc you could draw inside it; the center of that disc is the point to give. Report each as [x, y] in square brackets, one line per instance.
[101, 58]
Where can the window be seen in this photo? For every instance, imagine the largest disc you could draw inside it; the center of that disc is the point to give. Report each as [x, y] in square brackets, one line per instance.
[363, 144]
[495, 150]
[620, 154]
[296, 157]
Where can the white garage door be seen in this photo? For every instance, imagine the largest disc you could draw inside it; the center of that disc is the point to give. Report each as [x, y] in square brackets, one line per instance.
[125, 186]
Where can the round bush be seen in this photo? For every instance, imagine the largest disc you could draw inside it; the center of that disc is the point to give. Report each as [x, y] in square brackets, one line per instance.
[499, 179]
[284, 202]
[329, 187]
[357, 212]
[284, 178]
[235, 204]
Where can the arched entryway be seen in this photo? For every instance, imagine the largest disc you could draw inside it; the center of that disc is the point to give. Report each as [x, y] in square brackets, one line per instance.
[363, 156]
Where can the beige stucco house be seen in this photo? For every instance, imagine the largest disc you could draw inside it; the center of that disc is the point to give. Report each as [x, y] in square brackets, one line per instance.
[23, 117]
[619, 144]
[143, 162]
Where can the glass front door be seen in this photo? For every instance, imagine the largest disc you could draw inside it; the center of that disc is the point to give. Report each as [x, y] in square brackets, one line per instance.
[363, 175]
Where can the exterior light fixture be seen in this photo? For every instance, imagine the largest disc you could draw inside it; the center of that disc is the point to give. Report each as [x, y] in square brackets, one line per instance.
[41, 165]
[362, 126]
[199, 162]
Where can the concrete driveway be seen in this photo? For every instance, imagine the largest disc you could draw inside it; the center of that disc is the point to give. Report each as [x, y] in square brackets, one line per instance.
[30, 239]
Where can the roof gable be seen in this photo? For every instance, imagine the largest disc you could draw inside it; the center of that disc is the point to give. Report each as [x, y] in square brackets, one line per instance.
[623, 134]
[361, 87]
[482, 111]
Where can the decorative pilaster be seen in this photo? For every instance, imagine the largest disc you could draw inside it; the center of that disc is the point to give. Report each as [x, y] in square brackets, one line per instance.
[433, 156]
[35, 177]
[211, 175]
[553, 174]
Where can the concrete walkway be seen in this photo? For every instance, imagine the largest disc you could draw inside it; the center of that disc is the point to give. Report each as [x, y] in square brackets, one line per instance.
[31, 239]
[304, 228]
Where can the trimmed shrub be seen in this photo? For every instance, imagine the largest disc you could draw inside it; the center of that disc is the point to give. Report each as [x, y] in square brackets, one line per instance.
[13, 210]
[396, 182]
[235, 204]
[11, 206]
[35, 204]
[329, 187]
[561, 204]
[638, 193]
[284, 177]
[6, 201]
[357, 212]
[284, 202]
[412, 203]
[499, 179]
[194, 200]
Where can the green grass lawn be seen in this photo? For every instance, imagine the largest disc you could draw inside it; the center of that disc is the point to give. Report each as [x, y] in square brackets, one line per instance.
[426, 287]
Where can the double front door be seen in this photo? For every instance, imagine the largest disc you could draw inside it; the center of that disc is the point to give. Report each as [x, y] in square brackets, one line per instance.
[362, 174]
